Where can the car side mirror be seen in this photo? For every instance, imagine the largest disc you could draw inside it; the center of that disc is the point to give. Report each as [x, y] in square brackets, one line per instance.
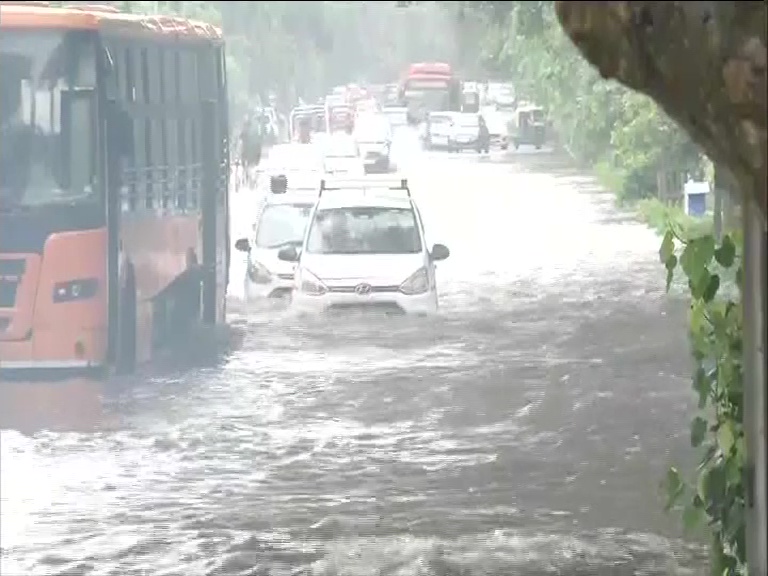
[288, 254]
[439, 252]
[243, 245]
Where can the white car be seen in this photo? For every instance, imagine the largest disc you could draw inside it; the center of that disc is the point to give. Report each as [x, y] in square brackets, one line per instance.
[281, 221]
[373, 135]
[464, 132]
[342, 158]
[365, 249]
[438, 130]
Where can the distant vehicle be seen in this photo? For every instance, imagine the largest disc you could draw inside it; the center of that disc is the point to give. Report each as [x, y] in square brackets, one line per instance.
[341, 157]
[501, 94]
[301, 163]
[305, 121]
[373, 135]
[339, 115]
[470, 97]
[429, 87]
[527, 126]
[120, 243]
[397, 115]
[464, 133]
[365, 249]
[497, 126]
[281, 221]
[438, 130]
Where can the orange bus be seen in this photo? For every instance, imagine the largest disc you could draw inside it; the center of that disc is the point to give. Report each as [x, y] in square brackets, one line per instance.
[114, 169]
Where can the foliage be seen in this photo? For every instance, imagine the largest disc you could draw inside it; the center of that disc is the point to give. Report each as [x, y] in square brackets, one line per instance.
[658, 214]
[596, 121]
[716, 496]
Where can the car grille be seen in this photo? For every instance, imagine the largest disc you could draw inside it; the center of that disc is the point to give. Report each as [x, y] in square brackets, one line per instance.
[285, 276]
[379, 307]
[374, 289]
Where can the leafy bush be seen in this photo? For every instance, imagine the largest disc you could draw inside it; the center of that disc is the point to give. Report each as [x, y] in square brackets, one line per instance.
[715, 497]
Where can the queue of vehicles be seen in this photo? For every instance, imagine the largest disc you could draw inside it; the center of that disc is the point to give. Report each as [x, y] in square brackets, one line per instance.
[356, 244]
[144, 202]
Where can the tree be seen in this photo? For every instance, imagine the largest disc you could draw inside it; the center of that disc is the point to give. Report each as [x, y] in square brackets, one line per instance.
[703, 62]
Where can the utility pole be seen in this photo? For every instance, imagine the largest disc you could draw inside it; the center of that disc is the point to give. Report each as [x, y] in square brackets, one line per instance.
[755, 403]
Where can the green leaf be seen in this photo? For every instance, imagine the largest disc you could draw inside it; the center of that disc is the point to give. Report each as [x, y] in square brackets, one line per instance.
[674, 486]
[670, 277]
[710, 291]
[698, 431]
[693, 517]
[726, 253]
[725, 437]
[702, 386]
[667, 248]
[696, 256]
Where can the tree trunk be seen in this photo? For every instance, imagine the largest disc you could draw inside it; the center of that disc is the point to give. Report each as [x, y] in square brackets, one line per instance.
[703, 62]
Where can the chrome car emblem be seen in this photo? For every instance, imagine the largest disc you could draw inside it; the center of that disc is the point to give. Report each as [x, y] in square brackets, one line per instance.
[363, 289]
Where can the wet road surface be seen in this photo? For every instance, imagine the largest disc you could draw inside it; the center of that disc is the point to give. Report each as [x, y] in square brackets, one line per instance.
[523, 431]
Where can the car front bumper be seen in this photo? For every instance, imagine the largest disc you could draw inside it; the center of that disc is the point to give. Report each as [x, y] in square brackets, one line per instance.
[387, 302]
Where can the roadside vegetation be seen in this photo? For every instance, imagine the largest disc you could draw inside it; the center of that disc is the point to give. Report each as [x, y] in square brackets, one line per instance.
[633, 147]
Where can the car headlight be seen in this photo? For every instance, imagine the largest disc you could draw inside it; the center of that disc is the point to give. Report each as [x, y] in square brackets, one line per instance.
[417, 283]
[311, 284]
[258, 273]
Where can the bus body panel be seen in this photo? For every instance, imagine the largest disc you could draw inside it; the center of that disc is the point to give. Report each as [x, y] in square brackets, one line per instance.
[161, 241]
[59, 317]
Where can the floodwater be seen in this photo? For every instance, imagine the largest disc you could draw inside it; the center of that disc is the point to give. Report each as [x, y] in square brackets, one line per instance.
[523, 431]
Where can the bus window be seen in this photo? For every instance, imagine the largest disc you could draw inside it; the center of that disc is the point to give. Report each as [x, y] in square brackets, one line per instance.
[149, 198]
[188, 76]
[129, 71]
[177, 75]
[162, 56]
[208, 88]
[144, 75]
[196, 166]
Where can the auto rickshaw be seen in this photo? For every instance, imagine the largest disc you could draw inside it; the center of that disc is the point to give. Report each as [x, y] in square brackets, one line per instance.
[527, 126]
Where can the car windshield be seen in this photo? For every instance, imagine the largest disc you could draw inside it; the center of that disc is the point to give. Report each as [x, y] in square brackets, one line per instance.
[47, 128]
[282, 224]
[365, 230]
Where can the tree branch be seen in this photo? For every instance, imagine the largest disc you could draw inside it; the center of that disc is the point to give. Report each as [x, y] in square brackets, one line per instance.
[704, 63]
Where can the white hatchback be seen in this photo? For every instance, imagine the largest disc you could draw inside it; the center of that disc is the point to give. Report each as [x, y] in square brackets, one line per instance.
[281, 222]
[365, 248]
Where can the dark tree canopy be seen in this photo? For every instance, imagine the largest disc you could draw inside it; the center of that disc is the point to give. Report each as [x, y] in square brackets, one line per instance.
[703, 62]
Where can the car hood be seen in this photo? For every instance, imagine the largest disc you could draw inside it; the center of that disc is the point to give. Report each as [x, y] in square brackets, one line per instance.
[374, 269]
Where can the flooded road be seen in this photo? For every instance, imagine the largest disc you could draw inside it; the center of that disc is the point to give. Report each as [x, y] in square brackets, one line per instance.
[524, 431]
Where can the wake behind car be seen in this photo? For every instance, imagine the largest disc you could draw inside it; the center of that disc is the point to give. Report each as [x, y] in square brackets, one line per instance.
[365, 249]
[281, 221]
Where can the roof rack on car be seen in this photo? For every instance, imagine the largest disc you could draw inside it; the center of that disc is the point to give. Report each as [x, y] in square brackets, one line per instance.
[366, 183]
